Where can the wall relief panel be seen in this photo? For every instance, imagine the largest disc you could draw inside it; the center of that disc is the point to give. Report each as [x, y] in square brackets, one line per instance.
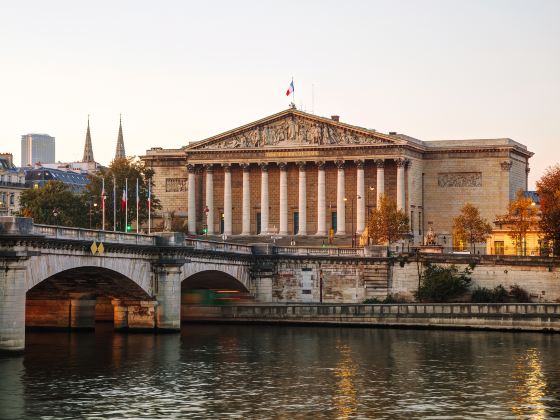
[460, 179]
[175, 184]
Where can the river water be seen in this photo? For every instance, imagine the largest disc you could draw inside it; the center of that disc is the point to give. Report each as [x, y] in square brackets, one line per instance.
[218, 371]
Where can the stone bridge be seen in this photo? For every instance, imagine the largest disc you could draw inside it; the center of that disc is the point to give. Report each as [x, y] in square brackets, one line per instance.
[60, 277]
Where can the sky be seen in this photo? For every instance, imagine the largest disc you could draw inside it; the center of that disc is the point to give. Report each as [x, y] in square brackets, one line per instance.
[182, 71]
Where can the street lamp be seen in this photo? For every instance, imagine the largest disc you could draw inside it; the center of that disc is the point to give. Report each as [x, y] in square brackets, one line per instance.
[371, 189]
[90, 212]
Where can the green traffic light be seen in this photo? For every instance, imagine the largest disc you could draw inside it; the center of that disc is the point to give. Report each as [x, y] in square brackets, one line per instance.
[128, 228]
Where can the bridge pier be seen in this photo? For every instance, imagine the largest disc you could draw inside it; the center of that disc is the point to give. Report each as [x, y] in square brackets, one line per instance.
[168, 295]
[82, 311]
[12, 306]
[120, 314]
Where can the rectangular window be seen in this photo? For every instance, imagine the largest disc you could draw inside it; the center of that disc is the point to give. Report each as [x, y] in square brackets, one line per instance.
[499, 247]
[419, 223]
[258, 223]
[412, 221]
[333, 221]
[222, 223]
[12, 199]
[296, 222]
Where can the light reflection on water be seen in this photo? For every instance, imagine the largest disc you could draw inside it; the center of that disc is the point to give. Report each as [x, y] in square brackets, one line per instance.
[278, 372]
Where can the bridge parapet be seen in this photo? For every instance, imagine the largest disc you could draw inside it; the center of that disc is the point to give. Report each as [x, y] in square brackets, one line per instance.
[63, 232]
[319, 251]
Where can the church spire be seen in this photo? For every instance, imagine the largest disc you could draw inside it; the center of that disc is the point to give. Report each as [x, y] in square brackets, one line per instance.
[88, 149]
[120, 154]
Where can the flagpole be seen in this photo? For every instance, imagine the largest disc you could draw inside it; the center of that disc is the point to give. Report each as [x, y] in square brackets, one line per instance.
[137, 202]
[103, 204]
[293, 92]
[125, 204]
[114, 204]
[149, 206]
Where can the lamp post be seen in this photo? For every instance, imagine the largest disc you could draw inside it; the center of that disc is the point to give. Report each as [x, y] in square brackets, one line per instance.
[371, 189]
[91, 211]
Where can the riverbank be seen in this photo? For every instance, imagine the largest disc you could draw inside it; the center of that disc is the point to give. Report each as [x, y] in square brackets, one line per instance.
[483, 316]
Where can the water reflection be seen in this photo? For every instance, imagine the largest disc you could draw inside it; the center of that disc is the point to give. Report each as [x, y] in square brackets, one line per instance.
[282, 372]
[530, 386]
[345, 397]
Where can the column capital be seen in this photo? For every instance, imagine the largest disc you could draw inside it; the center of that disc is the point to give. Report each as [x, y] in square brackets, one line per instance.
[380, 163]
[401, 162]
[339, 164]
[208, 167]
[264, 166]
[191, 168]
[360, 163]
[245, 166]
[301, 165]
[282, 165]
[320, 164]
[226, 166]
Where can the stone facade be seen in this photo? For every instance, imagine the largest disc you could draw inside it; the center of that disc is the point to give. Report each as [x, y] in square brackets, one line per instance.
[296, 173]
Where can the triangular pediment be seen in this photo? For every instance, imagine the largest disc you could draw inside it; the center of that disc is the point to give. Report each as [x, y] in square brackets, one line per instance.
[293, 128]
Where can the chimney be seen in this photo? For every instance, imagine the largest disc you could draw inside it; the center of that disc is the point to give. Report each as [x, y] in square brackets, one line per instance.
[335, 118]
[392, 133]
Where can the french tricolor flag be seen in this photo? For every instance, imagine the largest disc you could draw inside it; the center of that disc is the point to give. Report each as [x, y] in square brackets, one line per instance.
[290, 88]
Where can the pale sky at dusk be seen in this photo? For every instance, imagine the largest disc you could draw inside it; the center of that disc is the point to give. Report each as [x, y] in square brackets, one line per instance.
[181, 71]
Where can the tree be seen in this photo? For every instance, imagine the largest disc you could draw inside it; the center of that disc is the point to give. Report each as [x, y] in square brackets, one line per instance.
[119, 171]
[548, 188]
[387, 224]
[441, 284]
[54, 204]
[522, 216]
[470, 227]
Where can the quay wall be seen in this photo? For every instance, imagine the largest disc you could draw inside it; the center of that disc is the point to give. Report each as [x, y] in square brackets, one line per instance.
[521, 317]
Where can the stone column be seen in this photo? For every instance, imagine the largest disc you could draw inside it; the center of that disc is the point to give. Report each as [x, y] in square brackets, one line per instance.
[380, 164]
[401, 199]
[227, 199]
[246, 204]
[120, 314]
[82, 311]
[360, 197]
[283, 199]
[12, 307]
[321, 200]
[302, 200]
[191, 203]
[209, 198]
[168, 296]
[340, 203]
[264, 198]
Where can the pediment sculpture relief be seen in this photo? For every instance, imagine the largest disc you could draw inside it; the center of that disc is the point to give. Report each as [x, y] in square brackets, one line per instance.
[292, 131]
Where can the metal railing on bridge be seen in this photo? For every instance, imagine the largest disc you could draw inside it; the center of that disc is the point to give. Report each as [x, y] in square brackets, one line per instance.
[315, 251]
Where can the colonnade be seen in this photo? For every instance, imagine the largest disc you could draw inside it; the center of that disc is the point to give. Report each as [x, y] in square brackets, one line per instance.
[321, 230]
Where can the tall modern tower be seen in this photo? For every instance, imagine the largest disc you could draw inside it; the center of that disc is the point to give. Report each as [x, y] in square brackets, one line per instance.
[119, 153]
[88, 148]
[37, 148]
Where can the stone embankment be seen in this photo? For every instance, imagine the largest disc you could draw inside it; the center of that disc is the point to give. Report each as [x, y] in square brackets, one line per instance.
[517, 316]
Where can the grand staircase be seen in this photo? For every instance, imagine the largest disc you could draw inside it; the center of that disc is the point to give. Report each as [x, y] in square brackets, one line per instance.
[376, 278]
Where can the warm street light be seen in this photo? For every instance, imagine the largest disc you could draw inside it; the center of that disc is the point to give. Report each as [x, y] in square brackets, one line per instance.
[370, 192]
[352, 211]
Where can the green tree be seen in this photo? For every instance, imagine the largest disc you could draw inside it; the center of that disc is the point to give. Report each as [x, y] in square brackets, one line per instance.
[470, 227]
[116, 176]
[522, 216]
[442, 284]
[54, 204]
[548, 188]
[386, 223]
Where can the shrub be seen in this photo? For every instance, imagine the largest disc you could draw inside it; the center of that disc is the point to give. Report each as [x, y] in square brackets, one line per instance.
[484, 295]
[519, 294]
[389, 299]
[442, 284]
[371, 300]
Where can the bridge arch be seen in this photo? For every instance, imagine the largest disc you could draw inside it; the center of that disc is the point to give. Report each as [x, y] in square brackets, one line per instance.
[46, 266]
[228, 272]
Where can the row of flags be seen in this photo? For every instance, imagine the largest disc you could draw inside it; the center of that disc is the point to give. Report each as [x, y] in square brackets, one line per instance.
[124, 204]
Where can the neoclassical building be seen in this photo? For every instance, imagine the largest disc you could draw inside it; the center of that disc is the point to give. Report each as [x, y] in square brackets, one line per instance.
[294, 173]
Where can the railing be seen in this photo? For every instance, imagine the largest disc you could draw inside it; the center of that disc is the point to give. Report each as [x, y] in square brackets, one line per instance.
[314, 251]
[217, 246]
[63, 232]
